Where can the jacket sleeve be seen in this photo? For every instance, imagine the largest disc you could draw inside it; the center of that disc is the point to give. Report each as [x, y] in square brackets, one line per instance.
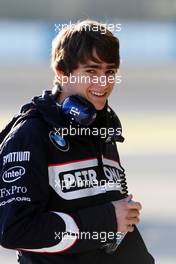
[25, 222]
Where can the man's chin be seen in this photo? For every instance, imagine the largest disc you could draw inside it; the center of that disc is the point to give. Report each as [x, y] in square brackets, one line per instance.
[100, 106]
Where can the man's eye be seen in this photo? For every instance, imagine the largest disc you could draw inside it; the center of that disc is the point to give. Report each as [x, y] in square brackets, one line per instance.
[90, 71]
[111, 72]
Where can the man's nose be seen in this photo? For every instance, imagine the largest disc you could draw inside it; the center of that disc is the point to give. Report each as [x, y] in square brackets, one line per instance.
[102, 80]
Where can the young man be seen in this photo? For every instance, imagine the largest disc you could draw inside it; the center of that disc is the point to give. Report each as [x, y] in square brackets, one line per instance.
[63, 195]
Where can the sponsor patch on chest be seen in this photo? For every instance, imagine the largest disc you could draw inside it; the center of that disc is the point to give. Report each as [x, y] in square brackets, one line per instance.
[78, 179]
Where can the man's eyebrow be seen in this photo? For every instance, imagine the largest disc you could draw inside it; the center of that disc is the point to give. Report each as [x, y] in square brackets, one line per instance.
[97, 66]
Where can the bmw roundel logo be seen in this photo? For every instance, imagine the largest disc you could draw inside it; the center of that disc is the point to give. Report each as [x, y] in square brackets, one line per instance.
[58, 141]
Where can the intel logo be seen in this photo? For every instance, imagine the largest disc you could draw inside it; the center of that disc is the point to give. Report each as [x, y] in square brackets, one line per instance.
[13, 174]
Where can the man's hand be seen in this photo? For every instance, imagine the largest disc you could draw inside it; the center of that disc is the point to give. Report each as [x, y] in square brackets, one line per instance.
[127, 214]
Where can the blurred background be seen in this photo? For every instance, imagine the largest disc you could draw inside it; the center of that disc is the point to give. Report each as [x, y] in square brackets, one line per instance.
[144, 100]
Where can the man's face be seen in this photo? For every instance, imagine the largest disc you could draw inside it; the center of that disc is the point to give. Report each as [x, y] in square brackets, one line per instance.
[90, 80]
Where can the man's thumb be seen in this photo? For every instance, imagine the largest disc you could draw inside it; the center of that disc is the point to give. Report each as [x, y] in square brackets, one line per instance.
[129, 198]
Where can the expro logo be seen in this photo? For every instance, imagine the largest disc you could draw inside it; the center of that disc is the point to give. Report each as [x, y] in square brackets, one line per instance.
[13, 174]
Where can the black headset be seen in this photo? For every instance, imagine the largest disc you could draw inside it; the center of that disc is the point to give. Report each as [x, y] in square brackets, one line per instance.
[76, 108]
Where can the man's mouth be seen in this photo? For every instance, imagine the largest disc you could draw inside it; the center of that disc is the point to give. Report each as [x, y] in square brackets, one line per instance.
[98, 94]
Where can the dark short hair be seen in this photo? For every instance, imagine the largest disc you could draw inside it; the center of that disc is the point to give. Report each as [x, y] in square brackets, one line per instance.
[74, 45]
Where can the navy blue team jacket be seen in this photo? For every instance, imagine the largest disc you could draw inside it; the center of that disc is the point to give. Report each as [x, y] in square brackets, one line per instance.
[55, 203]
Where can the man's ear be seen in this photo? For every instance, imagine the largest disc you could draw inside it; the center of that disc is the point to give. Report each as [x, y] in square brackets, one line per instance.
[59, 74]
